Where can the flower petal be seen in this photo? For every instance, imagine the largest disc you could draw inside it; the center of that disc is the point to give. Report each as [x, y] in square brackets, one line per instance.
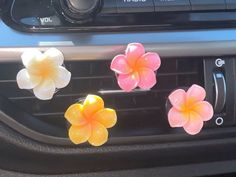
[45, 90]
[147, 78]
[128, 82]
[150, 60]
[74, 115]
[55, 55]
[63, 77]
[194, 125]
[119, 65]
[107, 117]
[99, 134]
[194, 94]
[30, 55]
[177, 118]
[177, 99]
[79, 134]
[92, 104]
[26, 81]
[204, 109]
[133, 52]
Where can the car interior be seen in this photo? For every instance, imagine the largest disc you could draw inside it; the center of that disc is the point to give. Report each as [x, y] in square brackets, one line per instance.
[189, 43]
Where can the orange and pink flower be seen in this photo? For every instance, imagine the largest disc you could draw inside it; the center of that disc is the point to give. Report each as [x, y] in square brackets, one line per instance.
[189, 109]
[90, 121]
[136, 68]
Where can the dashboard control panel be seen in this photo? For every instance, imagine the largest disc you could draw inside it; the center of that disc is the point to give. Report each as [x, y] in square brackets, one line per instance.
[218, 74]
[102, 15]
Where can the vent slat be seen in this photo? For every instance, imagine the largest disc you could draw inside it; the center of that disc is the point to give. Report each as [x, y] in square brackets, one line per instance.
[106, 77]
[125, 111]
[81, 86]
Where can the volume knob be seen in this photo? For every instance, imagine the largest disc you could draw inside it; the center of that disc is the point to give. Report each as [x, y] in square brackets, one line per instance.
[81, 10]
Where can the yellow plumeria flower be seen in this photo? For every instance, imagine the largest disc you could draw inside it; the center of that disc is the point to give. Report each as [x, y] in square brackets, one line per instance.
[43, 72]
[89, 122]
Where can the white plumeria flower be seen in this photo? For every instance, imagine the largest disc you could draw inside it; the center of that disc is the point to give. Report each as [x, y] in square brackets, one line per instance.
[43, 73]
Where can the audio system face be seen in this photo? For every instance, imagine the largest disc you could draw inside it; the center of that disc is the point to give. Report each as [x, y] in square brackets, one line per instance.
[101, 15]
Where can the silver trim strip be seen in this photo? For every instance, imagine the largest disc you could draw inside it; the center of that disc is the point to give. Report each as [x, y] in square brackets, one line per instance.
[94, 46]
[107, 92]
[108, 52]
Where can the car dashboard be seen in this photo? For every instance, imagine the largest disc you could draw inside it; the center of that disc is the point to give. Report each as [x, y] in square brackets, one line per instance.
[196, 40]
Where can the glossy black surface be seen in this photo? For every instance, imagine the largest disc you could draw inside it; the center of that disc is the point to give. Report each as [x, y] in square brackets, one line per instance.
[2, 3]
[47, 15]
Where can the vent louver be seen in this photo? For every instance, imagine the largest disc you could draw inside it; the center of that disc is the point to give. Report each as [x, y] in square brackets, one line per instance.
[140, 113]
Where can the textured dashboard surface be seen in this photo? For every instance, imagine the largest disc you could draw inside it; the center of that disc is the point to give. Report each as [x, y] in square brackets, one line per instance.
[196, 170]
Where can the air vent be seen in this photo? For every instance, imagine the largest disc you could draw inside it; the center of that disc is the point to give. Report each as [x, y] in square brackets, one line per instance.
[141, 113]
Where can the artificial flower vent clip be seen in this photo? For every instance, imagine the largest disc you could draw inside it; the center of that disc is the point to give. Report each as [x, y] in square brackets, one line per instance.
[189, 110]
[44, 73]
[136, 68]
[90, 120]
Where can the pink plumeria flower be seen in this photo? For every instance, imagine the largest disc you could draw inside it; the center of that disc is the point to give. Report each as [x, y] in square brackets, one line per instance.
[189, 109]
[136, 68]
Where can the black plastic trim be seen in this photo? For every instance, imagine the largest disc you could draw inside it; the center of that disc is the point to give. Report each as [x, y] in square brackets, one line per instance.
[192, 170]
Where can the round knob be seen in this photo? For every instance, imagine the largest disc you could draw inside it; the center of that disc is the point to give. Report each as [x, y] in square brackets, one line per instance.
[80, 10]
[83, 6]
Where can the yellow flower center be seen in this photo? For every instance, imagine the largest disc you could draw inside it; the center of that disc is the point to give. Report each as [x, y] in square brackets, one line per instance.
[44, 68]
[188, 107]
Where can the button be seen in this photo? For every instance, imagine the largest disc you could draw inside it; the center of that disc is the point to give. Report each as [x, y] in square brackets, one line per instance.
[208, 4]
[172, 5]
[133, 6]
[109, 6]
[219, 121]
[230, 4]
